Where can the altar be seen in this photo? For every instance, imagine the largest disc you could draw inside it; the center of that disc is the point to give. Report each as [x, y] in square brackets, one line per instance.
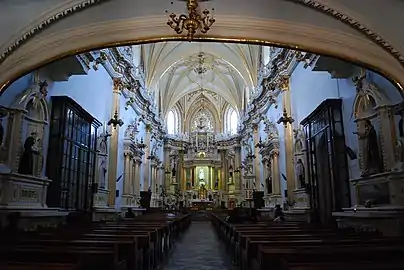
[197, 205]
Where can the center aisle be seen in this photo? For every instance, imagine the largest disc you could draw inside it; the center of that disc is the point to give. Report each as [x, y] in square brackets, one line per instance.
[199, 249]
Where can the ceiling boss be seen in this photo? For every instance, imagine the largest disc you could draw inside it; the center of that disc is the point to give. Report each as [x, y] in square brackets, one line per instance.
[194, 21]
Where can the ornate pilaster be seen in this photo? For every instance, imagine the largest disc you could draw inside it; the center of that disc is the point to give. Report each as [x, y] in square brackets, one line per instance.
[276, 177]
[127, 196]
[113, 146]
[137, 165]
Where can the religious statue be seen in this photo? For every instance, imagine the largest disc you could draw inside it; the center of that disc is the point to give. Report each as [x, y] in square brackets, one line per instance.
[201, 175]
[26, 165]
[1, 132]
[269, 185]
[217, 184]
[103, 173]
[370, 149]
[399, 148]
[299, 169]
[173, 171]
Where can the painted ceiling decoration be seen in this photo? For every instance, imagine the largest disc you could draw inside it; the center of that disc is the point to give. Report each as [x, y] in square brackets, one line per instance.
[372, 35]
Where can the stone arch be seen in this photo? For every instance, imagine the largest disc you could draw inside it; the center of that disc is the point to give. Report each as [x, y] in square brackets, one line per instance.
[321, 40]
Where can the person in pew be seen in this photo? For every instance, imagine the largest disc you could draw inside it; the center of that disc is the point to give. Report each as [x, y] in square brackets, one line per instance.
[279, 216]
[129, 213]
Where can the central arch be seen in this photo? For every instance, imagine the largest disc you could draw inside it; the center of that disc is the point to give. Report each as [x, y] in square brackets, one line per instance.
[51, 47]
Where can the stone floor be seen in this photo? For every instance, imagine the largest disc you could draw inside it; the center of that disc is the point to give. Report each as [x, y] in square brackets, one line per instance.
[199, 249]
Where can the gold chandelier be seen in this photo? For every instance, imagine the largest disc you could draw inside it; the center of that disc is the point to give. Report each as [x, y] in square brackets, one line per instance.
[192, 22]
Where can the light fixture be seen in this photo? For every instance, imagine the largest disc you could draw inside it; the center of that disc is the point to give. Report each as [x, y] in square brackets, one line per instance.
[260, 144]
[285, 119]
[192, 22]
[115, 121]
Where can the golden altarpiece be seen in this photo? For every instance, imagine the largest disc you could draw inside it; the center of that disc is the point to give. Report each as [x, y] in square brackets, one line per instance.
[202, 165]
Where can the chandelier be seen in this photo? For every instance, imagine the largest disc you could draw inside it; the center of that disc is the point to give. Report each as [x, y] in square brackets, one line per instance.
[192, 22]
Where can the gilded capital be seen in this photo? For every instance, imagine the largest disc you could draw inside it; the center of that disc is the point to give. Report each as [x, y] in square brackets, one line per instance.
[283, 83]
[148, 128]
[118, 84]
[255, 127]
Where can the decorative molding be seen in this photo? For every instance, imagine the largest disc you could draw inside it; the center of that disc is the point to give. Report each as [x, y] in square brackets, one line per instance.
[354, 24]
[46, 23]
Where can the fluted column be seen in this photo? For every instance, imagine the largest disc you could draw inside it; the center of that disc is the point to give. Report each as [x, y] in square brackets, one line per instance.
[257, 155]
[138, 164]
[126, 175]
[113, 143]
[276, 177]
[387, 137]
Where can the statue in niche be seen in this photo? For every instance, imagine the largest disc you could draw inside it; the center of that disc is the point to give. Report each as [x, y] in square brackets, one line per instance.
[26, 165]
[1, 132]
[269, 185]
[103, 173]
[173, 171]
[370, 149]
[201, 175]
[299, 169]
[217, 184]
[399, 149]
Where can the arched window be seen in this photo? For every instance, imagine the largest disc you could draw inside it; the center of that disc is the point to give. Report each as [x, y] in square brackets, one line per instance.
[171, 122]
[233, 122]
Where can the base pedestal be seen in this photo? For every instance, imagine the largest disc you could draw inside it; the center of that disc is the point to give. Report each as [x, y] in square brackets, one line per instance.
[101, 210]
[387, 220]
[26, 195]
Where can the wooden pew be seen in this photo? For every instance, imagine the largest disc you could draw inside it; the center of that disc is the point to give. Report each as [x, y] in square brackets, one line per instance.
[37, 266]
[277, 246]
[136, 244]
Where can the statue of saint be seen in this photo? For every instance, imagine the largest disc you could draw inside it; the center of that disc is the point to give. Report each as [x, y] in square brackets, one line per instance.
[1, 132]
[399, 147]
[201, 175]
[26, 165]
[370, 150]
[103, 173]
[173, 171]
[299, 169]
[269, 185]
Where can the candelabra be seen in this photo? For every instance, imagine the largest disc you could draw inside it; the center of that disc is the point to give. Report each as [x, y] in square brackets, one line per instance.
[285, 119]
[192, 22]
[115, 121]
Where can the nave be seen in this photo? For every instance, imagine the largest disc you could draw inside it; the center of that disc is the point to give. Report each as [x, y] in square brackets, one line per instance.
[199, 249]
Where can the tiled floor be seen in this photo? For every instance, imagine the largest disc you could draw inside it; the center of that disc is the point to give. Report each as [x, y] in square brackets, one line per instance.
[199, 249]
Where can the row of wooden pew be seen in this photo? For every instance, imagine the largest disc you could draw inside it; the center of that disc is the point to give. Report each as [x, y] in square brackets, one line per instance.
[301, 246]
[141, 243]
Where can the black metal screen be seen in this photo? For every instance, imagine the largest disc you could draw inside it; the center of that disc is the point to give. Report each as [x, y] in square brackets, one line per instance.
[327, 162]
[72, 153]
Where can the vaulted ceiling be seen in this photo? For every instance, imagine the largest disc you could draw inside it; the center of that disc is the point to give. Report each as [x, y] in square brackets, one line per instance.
[218, 71]
[364, 30]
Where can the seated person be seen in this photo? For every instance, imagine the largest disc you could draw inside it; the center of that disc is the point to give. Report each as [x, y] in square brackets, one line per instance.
[129, 213]
[278, 214]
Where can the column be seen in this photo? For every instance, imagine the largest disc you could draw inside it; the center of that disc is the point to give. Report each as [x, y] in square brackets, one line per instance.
[126, 175]
[138, 164]
[146, 164]
[276, 177]
[113, 143]
[133, 175]
[265, 174]
[288, 139]
[257, 155]
[237, 166]
[387, 137]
